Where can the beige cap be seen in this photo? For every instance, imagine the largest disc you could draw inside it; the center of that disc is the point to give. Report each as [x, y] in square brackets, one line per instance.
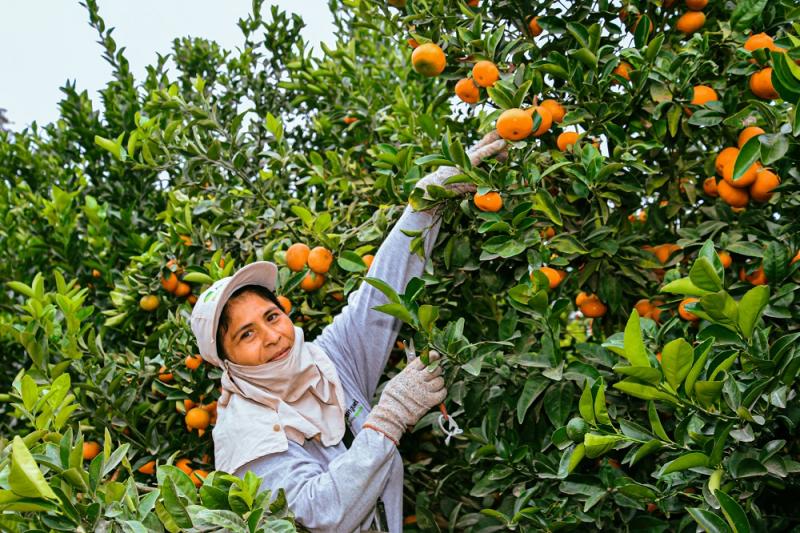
[206, 312]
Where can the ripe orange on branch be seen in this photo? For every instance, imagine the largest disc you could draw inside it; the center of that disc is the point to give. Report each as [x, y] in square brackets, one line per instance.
[286, 304]
[690, 22]
[490, 202]
[514, 124]
[566, 139]
[90, 450]
[546, 119]
[554, 276]
[534, 28]
[149, 302]
[485, 73]
[557, 111]
[726, 156]
[710, 187]
[320, 260]
[197, 418]
[761, 84]
[702, 94]
[297, 256]
[748, 133]
[193, 362]
[731, 195]
[686, 314]
[428, 59]
[467, 91]
[761, 189]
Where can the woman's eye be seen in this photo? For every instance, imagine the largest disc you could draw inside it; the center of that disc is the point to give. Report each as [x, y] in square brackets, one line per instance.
[246, 334]
[272, 316]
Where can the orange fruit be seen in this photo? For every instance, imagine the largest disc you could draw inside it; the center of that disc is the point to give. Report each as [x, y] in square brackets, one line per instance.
[320, 260]
[547, 119]
[761, 189]
[192, 299]
[183, 289]
[593, 308]
[148, 468]
[643, 307]
[338, 296]
[745, 180]
[725, 258]
[758, 277]
[96, 273]
[727, 155]
[566, 139]
[349, 120]
[796, 258]
[90, 450]
[710, 187]
[193, 362]
[286, 304]
[297, 256]
[312, 282]
[687, 315]
[702, 94]
[623, 70]
[554, 277]
[184, 465]
[534, 27]
[428, 59]
[410, 520]
[760, 40]
[169, 282]
[655, 311]
[557, 110]
[473, 3]
[696, 5]
[490, 202]
[163, 375]
[485, 73]
[748, 133]
[197, 418]
[761, 84]
[690, 22]
[548, 233]
[368, 259]
[187, 240]
[514, 124]
[149, 302]
[582, 298]
[412, 42]
[197, 477]
[397, 3]
[732, 196]
[467, 91]
[187, 405]
[664, 251]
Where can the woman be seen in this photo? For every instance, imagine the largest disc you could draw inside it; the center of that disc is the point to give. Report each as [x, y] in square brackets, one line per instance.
[287, 404]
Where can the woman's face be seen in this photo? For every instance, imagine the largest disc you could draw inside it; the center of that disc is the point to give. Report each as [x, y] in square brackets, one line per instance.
[258, 331]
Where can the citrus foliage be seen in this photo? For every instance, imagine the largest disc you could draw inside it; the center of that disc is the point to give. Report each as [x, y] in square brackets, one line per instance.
[619, 331]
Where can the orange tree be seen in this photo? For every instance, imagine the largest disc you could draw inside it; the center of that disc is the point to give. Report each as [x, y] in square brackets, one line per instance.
[617, 306]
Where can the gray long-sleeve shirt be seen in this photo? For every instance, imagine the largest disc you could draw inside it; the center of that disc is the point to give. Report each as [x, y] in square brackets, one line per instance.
[336, 488]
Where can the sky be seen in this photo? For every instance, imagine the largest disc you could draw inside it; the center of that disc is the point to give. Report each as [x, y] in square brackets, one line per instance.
[43, 43]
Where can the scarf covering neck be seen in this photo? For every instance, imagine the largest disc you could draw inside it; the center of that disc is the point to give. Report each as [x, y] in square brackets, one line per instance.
[262, 407]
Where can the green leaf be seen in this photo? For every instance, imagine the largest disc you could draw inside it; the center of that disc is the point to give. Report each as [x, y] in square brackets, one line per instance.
[643, 391]
[600, 411]
[174, 505]
[655, 422]
[720, 308]
[634, 345]
[704, 276]
[20, 288]
[558, 403]
[748, 155]
[597, 445]
[385, 288]
[25, 479]
[697, 368]
[676, 360]
[427, 316]
[646, 449]
[543, 201]
[751, 306]
[733, 512]
[198, 277]
[710, 522]
[586, 404]
[642, 373]
[684, 286]
[351, 262]
[746, 12]
[773, 148]
[685, 462]
[396, 310]
[532, 389]
[708, 392]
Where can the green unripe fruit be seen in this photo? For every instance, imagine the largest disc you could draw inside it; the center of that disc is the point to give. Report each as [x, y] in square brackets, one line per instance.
[576, 429]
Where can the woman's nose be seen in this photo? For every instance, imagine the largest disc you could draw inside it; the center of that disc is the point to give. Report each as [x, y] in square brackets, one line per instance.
[270, 336]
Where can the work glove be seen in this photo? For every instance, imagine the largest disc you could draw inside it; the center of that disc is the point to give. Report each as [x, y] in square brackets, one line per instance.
[489, 146]
[406, 398]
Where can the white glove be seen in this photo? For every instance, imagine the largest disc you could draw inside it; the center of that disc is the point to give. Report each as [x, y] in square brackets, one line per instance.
[406, 398]
[490, 145]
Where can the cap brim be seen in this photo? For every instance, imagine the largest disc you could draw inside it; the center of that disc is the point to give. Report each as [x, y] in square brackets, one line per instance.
[263, 273]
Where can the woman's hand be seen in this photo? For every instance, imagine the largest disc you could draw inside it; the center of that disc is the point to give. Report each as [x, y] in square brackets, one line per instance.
[489, 146]
[406, 398]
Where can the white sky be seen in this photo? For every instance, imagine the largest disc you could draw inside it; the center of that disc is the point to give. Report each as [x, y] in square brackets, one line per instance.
[45, 42]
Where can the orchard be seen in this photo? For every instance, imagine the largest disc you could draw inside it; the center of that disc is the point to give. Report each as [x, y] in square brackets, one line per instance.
[616, 305]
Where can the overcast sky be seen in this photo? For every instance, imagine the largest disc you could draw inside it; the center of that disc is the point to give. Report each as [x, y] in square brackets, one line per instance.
[45, 42]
